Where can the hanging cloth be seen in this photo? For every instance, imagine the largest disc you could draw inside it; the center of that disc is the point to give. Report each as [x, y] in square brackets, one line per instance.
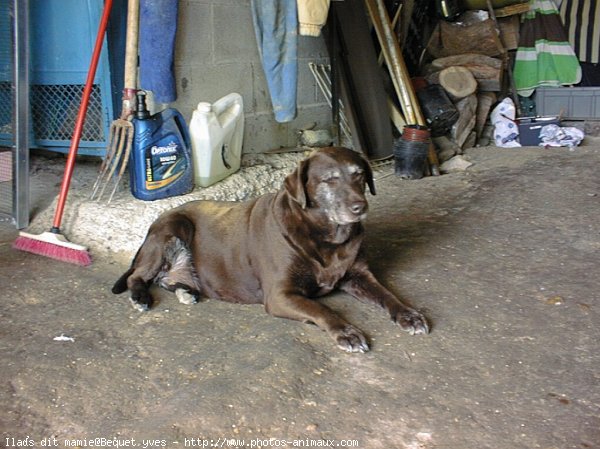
[582, 23]
[544, 56]
[158, 27]
[312, 16]
[276, 29]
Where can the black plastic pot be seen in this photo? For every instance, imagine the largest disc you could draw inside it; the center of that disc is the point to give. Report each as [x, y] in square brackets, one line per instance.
[410, 152]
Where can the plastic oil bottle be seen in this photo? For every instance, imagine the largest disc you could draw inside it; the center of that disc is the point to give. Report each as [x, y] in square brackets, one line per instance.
[160, 164]
[216, 132]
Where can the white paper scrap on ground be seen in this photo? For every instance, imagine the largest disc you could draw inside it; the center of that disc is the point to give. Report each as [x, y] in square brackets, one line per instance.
[63, 337]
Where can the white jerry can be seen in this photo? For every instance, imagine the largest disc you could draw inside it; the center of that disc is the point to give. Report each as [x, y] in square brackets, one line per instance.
[217, 132]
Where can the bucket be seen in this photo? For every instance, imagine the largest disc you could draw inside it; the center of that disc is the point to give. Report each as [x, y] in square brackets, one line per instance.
[410, 152]
[438, 109]
[216, 132]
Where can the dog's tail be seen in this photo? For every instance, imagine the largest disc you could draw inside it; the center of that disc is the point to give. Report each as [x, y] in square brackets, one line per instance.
[121, 284]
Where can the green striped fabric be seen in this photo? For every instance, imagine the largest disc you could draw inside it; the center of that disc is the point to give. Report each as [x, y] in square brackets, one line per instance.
[544, 56]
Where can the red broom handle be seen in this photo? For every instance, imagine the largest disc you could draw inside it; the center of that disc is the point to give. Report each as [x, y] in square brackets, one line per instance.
[66, 182]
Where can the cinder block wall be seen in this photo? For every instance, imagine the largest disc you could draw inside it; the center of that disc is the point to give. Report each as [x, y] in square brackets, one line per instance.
[216, 54]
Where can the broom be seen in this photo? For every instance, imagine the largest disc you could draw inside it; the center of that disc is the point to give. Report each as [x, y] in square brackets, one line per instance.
[53, 243]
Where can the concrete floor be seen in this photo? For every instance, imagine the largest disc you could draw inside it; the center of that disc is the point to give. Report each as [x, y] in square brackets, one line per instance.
[502, 258]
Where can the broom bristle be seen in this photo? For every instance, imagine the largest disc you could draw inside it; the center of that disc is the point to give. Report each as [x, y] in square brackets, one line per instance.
[54, 246]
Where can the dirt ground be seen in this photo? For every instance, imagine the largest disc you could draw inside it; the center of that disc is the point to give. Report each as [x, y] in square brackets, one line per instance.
[502, 258]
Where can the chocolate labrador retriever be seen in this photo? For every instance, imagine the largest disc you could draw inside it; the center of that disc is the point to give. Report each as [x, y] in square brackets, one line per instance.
[281, 250]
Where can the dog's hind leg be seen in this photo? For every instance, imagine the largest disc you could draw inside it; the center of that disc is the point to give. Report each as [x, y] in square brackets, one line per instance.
[178, 274]
[144, 270]
[140, 298]
[139, 287]
[164, 258]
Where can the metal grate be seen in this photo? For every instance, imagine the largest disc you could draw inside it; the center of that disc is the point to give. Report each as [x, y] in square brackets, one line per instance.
[6, 108]
[6, 192]
[54, 111]
[6, 112]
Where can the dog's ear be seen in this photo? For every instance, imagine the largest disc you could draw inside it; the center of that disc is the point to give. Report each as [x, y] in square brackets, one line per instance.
[295, 182]
[369, 176]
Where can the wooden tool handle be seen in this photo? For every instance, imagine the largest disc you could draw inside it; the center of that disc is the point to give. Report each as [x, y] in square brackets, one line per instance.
[131, 43]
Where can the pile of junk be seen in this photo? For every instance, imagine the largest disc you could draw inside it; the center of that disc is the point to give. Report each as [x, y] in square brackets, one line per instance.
[444, 76]
[460, 74]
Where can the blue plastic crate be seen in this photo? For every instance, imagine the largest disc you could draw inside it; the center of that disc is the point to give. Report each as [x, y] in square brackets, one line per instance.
[62, 36]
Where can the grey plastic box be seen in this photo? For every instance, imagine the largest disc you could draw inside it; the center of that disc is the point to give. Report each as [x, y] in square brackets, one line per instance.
[574, 103]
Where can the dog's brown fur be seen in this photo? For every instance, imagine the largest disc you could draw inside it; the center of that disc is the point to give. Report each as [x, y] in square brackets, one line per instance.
[281, 250]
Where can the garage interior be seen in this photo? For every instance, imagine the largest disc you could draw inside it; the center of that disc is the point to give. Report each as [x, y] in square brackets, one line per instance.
[499, 248]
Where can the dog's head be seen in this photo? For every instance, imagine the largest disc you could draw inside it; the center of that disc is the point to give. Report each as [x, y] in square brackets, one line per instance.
[332, 182]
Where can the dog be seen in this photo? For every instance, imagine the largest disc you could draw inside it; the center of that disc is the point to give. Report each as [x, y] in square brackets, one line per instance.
[281, 250]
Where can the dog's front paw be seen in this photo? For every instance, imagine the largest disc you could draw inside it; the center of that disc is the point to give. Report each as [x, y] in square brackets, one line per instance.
[411, 321]
[350, 339]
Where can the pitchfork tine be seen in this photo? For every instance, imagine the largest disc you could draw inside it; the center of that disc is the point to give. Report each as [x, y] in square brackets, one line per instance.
[106, 161]
[129, 133]
[117, 158]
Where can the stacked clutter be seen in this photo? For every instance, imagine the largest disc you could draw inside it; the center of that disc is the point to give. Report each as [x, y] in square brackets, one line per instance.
[414, 147]
[467, 57]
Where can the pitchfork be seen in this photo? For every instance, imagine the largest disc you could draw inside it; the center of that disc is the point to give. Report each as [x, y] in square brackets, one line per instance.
[120, 139]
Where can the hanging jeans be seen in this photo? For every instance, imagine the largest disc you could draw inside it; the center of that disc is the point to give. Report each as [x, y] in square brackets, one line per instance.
[158, 27]
[276, 28]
